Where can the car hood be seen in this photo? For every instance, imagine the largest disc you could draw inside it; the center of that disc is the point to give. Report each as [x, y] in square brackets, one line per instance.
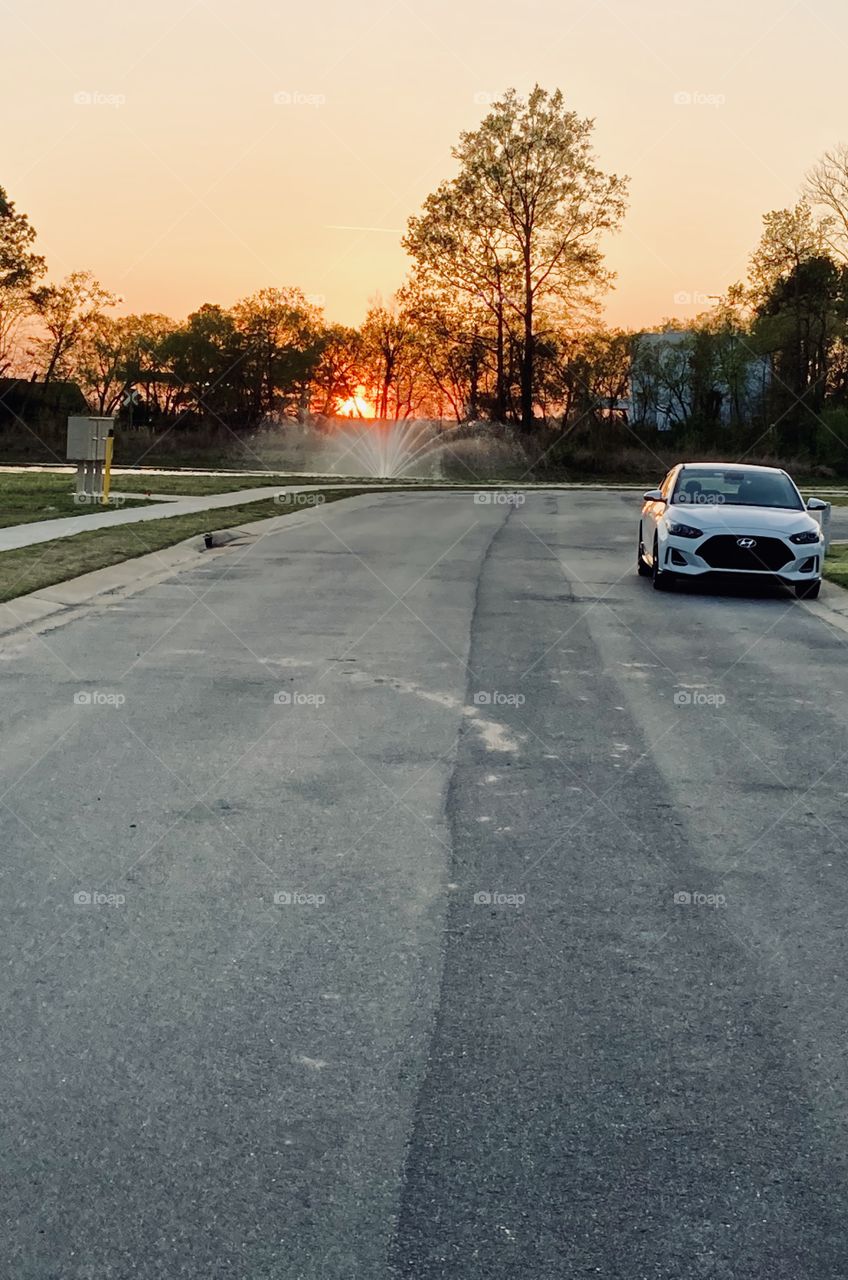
[738, 519]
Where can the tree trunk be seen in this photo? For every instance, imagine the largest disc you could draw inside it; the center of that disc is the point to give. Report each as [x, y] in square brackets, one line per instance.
[500, 376]
[528, 355]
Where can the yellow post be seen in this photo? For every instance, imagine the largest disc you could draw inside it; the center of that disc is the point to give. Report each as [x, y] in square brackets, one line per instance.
[107, 469]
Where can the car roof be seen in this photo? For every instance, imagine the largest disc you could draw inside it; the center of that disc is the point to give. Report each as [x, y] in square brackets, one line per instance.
[733, 466]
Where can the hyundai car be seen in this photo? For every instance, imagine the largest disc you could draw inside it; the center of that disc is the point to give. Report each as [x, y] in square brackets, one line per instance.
[717, 518]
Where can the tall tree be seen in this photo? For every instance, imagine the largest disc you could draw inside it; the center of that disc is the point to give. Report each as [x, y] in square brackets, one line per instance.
[524, 217]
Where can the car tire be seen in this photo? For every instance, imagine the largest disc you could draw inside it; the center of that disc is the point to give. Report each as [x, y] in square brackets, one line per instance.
[661, 578]
[643, 570]
[808, 590]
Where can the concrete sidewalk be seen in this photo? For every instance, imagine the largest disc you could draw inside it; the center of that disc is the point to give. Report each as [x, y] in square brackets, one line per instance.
[28, 535]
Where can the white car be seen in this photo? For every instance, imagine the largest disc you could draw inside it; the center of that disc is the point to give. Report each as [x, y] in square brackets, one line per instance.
[714, 517]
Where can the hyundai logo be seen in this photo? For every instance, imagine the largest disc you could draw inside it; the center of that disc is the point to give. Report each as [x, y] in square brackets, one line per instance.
[747, 543]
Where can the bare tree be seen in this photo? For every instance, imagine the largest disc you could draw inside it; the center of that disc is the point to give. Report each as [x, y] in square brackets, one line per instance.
[826, 188]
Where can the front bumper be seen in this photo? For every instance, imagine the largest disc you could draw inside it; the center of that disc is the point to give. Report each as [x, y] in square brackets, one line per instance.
[779, 559]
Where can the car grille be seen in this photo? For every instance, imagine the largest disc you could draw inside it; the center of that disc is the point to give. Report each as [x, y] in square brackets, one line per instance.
[724, 552]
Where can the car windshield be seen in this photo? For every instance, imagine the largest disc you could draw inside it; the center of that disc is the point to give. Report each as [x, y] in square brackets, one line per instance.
[735, 487]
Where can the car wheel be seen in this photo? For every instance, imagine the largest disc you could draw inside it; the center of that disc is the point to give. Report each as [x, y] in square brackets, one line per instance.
[662, 579]
[808, 590]
[644, 570]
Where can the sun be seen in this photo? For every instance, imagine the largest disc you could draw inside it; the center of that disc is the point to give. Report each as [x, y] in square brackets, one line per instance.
[356, 407]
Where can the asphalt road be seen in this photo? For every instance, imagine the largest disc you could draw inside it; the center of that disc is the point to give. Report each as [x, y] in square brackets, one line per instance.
[394, 1079]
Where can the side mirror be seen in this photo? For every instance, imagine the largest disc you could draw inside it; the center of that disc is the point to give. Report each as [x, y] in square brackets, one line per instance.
[816, 504]
[654, 495]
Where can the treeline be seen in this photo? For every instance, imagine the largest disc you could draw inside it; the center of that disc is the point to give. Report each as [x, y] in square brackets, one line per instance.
[497, 322]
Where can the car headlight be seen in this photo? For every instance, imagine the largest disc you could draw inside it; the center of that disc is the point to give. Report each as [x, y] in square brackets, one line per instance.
[683, 530]
[802, 539]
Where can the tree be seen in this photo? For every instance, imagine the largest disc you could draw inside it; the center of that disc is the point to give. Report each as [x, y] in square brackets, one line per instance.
[453, 348]
[389, 356]
[460, 253]
[207, 356]
[20, 267]
[339, 373]
[67, 312]
[521, 225]
[826, 188]
[284, 335]
[790, 237]
[116, 354]
[800, 323]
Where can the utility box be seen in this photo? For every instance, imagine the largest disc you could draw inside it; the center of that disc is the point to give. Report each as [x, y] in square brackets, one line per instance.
[90, 442]
[87, 438]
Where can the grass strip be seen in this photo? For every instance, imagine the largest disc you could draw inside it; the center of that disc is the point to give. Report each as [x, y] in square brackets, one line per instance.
[32, 568]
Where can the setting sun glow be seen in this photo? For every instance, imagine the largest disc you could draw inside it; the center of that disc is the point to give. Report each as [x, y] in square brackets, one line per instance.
[357, 406]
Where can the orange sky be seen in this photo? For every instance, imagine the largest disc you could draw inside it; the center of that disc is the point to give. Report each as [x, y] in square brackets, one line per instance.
[214, 148]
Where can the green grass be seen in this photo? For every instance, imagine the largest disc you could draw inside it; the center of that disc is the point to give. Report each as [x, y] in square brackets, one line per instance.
[27, 498]
[33, 568]
[836, 566]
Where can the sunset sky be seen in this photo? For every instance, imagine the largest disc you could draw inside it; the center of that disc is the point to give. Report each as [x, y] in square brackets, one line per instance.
[195, 152]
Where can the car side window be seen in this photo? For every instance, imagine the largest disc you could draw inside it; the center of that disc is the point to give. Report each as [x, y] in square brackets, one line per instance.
[665, 487]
